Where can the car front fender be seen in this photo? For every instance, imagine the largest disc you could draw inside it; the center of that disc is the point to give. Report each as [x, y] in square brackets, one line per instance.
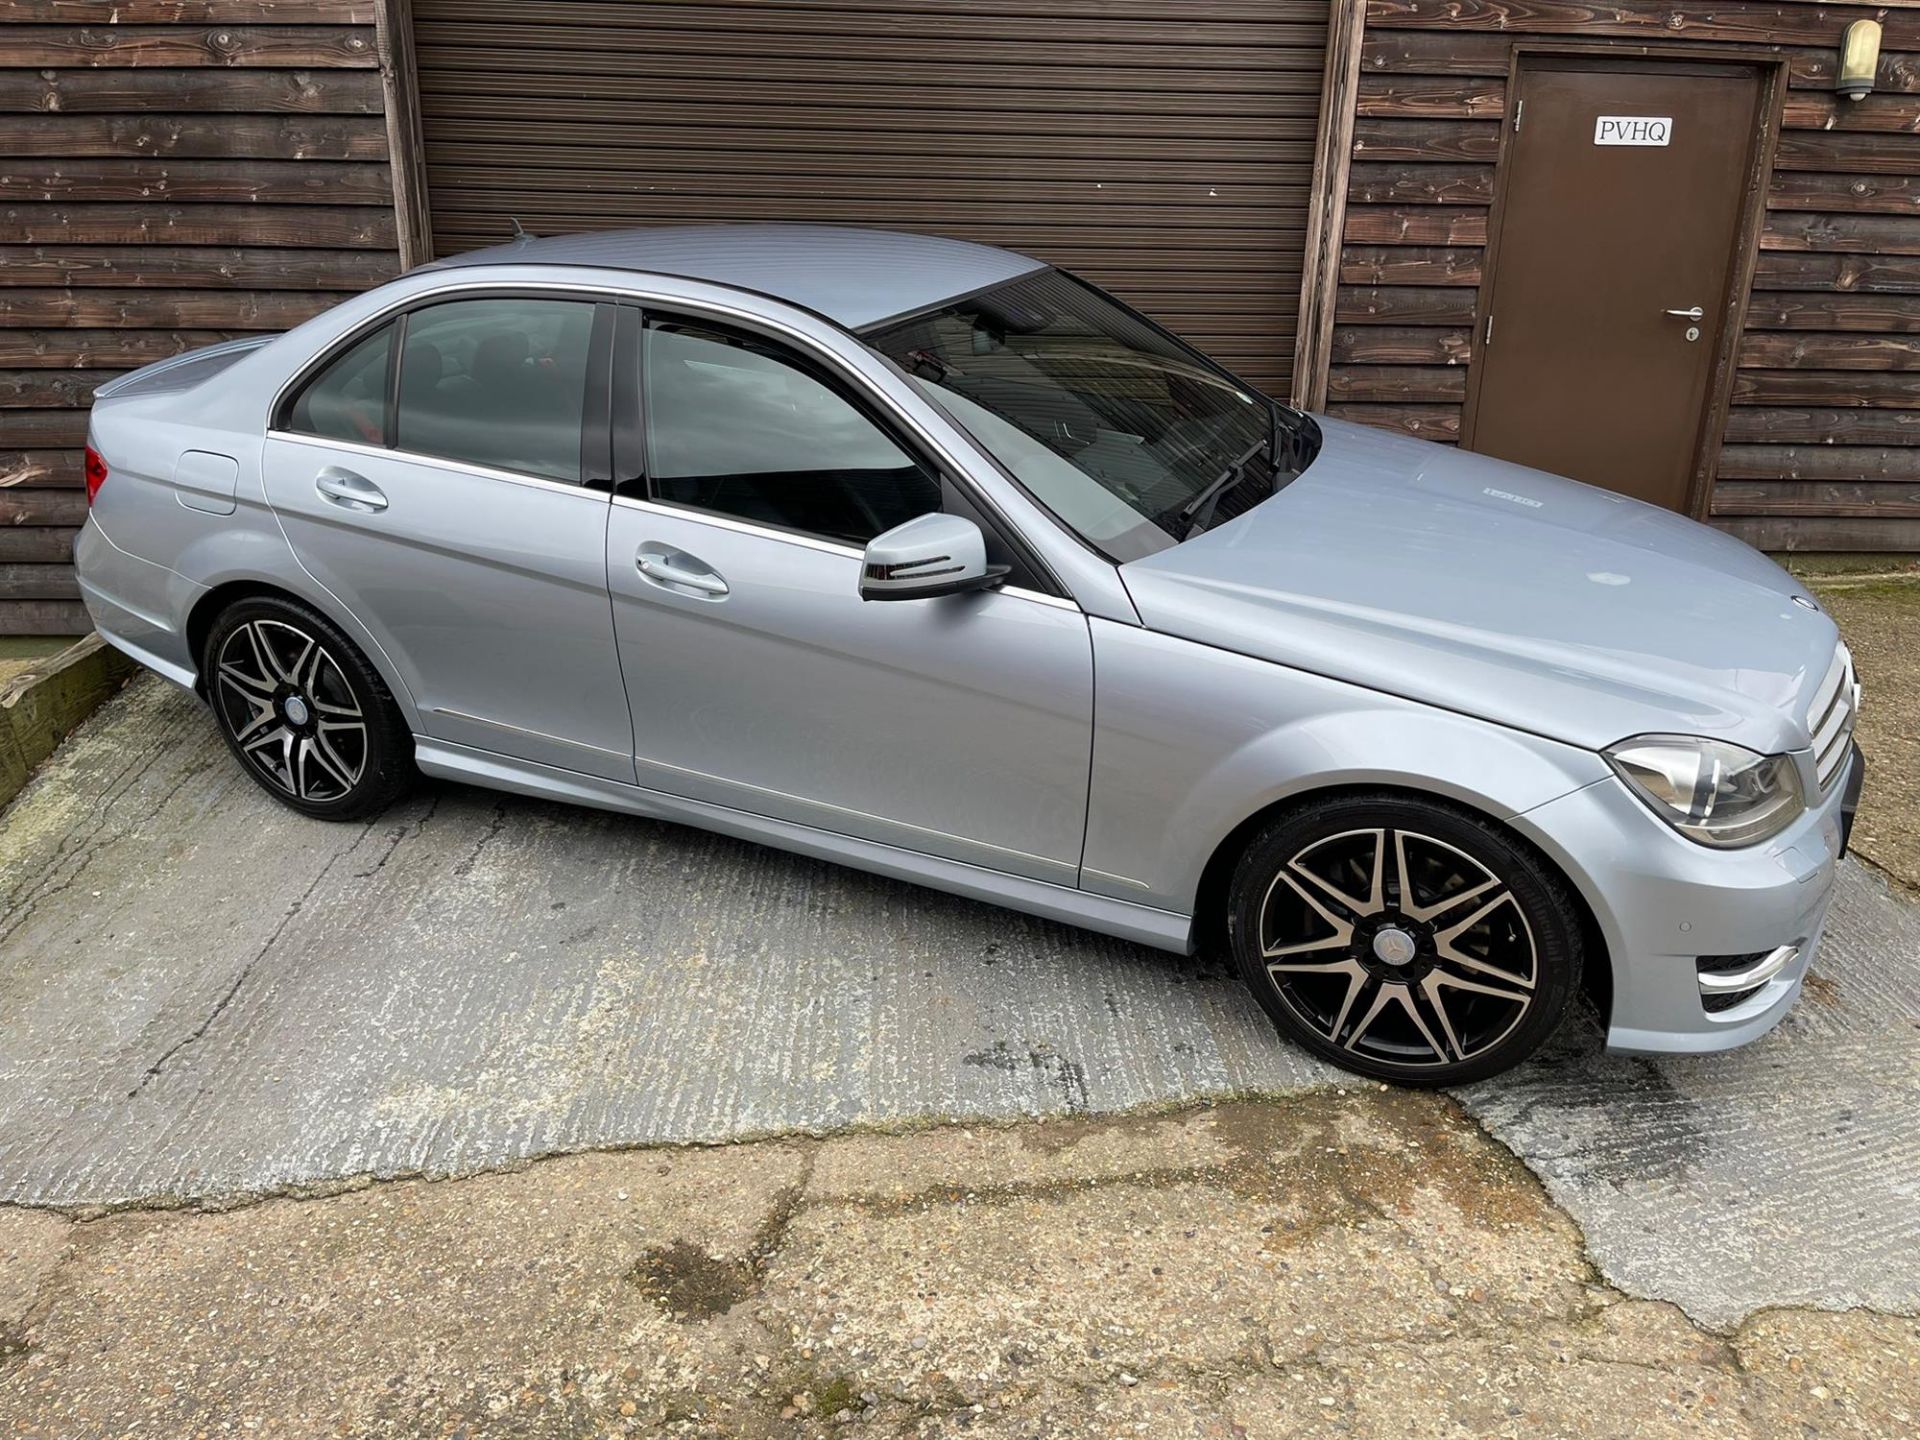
[1191, 742]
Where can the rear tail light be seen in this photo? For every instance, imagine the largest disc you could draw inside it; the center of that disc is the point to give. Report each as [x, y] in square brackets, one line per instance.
[96, 473]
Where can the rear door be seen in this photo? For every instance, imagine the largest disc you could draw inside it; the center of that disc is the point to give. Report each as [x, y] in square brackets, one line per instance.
[446, 480]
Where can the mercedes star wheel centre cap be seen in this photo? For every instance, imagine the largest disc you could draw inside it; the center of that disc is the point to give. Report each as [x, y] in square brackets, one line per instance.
[1393, 947]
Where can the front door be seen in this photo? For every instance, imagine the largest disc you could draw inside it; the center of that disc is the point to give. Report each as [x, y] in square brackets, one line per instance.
[1624, 190]
[958, 726]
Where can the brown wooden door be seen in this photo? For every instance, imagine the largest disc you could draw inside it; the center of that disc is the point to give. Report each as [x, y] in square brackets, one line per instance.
[1625, 189]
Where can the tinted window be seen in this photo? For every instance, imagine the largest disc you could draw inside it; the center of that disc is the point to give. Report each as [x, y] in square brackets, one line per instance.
[348, 399]
[737, 426]
[501, 383]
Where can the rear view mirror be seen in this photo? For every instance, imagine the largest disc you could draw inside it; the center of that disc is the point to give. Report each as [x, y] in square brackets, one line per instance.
[929, 555]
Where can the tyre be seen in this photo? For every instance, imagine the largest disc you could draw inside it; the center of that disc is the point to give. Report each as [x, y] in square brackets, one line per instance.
[304, 712]
[1404, 939]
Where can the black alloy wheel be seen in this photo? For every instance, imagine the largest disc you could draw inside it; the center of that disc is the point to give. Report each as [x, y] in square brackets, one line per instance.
[1404, 939]
[304, 712]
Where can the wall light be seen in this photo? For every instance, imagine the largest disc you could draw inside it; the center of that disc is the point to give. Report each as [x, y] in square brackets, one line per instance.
[1859, 58]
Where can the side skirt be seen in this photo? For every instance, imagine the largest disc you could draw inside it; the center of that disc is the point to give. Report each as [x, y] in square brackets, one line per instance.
[1144, 924]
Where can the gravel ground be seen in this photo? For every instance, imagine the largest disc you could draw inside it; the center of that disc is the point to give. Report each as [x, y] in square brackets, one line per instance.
[1358, 1263]
[1880, 618]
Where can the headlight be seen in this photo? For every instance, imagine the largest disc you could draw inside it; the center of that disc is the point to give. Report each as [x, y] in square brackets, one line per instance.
[1708, 790]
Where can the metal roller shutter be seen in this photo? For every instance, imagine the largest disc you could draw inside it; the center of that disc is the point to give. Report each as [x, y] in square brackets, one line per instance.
[1167, 158]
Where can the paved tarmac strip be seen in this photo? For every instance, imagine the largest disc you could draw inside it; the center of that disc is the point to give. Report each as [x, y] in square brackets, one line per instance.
[207, 998]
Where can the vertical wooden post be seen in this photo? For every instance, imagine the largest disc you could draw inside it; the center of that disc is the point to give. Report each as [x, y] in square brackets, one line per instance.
[406, 153]
[1327, 206]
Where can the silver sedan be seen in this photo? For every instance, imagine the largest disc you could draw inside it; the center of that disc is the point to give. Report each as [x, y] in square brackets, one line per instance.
[935, 560]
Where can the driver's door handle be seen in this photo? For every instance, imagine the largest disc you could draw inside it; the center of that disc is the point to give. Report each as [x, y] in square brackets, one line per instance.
[350, 491]
[677, 570]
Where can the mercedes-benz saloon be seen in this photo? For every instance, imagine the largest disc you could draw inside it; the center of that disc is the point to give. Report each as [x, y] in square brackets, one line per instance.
[936, 560]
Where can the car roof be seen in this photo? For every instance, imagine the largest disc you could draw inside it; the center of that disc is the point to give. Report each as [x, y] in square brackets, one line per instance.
[853, 277]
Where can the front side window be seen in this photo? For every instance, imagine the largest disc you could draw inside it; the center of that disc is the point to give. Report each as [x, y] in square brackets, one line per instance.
[1132, 439]
[348, 399]
[740, 427]
[497, 382]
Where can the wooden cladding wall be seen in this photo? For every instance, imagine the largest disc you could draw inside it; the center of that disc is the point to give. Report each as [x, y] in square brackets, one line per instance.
[1822, 446]
[172, 172]
[1164, 150]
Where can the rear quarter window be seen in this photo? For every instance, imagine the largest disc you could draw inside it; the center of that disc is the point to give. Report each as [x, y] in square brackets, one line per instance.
[348, 399]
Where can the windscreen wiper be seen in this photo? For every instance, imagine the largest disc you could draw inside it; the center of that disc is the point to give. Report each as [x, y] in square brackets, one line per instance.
[1197, 513]
[1292, 446]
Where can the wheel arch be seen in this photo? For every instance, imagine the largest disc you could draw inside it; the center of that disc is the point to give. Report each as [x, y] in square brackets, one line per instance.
[1216, 875]
[208, 607]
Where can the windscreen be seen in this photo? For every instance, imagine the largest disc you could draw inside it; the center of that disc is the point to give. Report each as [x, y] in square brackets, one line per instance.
[1131, 438]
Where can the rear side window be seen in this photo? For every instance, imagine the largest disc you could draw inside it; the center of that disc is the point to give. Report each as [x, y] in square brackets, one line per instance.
[497, 382]
[348, 399]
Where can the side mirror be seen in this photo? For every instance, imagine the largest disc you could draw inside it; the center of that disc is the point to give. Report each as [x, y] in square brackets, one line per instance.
[929, 555]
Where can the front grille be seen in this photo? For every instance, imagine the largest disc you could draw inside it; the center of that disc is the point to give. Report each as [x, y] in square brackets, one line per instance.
[1714, 1004]
[1831, 719]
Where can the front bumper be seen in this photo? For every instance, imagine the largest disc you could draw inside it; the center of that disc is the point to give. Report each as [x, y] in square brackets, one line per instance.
[1668, 908]
[1850, 796]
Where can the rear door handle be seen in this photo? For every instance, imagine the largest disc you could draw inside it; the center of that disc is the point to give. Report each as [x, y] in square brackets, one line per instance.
[677, 570]
[350, 491]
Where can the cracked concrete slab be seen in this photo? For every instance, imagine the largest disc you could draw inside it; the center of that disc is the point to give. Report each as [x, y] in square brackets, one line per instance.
[208, 997]
[1326, 1265]
[1785, 1173]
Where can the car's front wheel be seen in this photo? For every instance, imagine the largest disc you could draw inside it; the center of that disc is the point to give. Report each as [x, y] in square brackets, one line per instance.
[304, 712]
[1404, 939]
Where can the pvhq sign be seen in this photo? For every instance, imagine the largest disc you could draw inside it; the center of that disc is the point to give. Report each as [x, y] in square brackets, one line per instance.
[1633, 130]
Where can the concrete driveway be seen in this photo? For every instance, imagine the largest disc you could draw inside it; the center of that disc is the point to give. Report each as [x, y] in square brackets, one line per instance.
[207, 999]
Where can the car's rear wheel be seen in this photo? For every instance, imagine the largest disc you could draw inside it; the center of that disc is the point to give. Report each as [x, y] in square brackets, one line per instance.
[1404, 939]
[303, 711]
